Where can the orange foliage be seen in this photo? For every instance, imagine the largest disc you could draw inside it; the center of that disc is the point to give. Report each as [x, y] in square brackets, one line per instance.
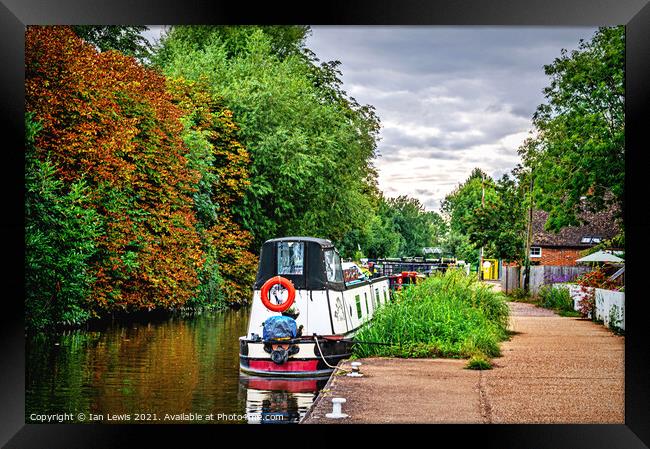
[237, 265]
[111, 121]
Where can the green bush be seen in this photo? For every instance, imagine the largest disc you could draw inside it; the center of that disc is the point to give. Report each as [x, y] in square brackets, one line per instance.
[60, 233]
[479, 362]
[615, 319]
[556, 298]
[448, 315]
[518, 294]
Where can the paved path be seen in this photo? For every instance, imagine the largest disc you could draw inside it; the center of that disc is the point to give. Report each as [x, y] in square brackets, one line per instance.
[553, 370]
[496, 285]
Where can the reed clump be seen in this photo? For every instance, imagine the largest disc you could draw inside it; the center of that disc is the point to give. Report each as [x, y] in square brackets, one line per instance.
[557, 298]
[446, 315]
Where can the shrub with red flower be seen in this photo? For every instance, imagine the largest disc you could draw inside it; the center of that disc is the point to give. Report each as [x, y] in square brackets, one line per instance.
[589, 282]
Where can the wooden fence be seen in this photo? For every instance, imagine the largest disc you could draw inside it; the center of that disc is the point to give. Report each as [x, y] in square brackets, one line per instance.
[550, 274]
[510, 278]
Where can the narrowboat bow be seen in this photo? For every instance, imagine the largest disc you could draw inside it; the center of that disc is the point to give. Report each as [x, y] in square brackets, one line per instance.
[303, 313]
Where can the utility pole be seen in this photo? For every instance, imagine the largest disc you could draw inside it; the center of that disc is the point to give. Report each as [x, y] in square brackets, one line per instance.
[529, 235]
[480, 265]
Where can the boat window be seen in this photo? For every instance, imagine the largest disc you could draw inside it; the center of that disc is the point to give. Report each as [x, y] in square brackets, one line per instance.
[357, 299]
[377, 301]
[333, 266]
[291, 257]
[352, 273]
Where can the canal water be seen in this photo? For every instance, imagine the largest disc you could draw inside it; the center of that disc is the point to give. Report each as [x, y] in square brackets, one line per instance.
[177, 370]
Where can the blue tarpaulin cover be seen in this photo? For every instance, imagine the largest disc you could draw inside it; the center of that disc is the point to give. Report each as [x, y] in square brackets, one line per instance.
[278, 327]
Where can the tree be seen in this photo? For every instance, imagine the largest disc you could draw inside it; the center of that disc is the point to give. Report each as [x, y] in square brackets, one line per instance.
[128, 40]
[381, 239]
[458, 245]
[460, 205]
[486, 214]
[283, 41]
[384, 240]
[499, 224]
[311, 149]
[61, 231]
[417, 228]
[215, 152]
[400, 227]
[110, 121]
[577, 154]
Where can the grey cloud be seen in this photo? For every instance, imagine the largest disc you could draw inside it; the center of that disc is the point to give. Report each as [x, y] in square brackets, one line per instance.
[505, 151]
[508, 63]
[440, 155]
[440, 178]
[522, 111]
[494, 108]
[397, 148]
[449, 50]
[497, 174]
[432, 204]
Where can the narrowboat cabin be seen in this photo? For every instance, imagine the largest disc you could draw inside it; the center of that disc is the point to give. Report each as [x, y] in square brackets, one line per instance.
[303, 313]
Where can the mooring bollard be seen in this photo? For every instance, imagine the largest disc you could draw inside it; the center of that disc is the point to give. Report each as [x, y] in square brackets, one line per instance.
[336, 409]
[355, 370]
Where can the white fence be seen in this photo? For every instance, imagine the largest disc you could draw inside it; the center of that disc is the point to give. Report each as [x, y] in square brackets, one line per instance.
[610, 304]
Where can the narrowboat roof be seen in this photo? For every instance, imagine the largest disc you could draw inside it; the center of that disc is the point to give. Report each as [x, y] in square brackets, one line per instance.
[313, 275]
[322, 242]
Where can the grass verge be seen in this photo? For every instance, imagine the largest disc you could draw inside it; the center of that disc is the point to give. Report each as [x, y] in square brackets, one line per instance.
[447, 315]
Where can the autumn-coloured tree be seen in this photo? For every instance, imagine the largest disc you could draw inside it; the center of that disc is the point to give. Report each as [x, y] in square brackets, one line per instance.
[215, 151]
[109, 120]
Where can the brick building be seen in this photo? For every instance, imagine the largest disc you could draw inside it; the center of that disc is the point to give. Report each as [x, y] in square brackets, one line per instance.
[564, 247]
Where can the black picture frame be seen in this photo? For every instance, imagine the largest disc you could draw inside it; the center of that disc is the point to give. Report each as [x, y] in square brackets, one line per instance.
[635, 14]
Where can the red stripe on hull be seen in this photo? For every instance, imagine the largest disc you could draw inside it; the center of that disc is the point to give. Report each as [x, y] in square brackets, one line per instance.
[295, 365]
[293, 386]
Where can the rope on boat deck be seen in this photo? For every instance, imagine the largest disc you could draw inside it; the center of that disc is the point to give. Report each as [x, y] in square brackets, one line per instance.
[323, 357]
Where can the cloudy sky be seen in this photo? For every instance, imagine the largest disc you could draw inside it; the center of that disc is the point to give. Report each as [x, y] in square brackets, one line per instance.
[449, 98]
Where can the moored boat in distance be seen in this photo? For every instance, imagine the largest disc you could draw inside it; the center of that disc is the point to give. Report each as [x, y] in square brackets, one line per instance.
[304, 314]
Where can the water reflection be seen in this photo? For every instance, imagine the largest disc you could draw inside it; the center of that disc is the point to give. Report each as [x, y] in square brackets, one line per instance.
[279, 401]
[175, 367]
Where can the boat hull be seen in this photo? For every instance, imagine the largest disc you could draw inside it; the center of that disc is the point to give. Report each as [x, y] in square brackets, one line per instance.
[282, 384]
[308, 361]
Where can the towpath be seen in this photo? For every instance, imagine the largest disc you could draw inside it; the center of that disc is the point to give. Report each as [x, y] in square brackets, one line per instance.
[553, 370]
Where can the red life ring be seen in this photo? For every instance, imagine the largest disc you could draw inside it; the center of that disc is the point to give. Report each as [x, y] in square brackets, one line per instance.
[286, 283]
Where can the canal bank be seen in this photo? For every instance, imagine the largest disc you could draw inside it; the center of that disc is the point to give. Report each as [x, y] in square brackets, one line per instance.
[553, 370]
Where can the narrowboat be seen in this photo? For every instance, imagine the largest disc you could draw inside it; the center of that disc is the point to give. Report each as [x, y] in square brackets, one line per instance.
[303, 314]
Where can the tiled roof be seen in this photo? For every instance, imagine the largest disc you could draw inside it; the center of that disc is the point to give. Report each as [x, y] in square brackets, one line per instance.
[602, 225]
